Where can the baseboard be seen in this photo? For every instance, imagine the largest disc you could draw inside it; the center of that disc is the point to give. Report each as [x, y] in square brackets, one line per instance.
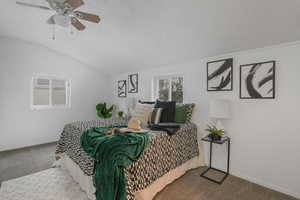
[25, 147]
[268, 185]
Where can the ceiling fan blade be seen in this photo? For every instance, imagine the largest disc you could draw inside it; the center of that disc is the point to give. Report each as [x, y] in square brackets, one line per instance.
[87, 16]
[77, 24]
[51, 20]
[57, 1]
[74, 3]
[32, 5]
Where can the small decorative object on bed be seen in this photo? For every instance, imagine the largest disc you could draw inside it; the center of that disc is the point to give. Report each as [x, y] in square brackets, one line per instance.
[133, 83]
[103, 111]
[257, 81]
[122, 88]
[112, 131]
[219, 75]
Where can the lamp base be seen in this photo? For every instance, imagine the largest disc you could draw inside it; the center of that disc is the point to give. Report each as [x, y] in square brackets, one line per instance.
[219, 124]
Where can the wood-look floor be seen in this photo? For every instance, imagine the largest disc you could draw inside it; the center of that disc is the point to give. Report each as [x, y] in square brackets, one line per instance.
[191, 186]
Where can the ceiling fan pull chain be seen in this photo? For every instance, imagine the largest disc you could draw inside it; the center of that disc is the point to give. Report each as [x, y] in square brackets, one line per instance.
[53, 32]
[71, 30]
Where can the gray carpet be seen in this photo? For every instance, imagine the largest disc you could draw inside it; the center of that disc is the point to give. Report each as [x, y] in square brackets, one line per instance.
[191, 186]
[26, 161]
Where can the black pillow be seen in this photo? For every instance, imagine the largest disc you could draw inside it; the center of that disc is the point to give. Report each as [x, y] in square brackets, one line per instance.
[146, 102]
[168, 112]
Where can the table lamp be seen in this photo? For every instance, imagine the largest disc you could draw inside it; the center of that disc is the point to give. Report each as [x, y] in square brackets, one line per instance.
[219, 109]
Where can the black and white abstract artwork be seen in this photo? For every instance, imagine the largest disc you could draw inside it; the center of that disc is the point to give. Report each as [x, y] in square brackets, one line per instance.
[133, 83]
[122, 88]
[257, 81]
[219, 75]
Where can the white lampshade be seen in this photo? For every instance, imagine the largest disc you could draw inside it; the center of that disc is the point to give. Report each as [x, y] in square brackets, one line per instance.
[130, 104]
[219, 109]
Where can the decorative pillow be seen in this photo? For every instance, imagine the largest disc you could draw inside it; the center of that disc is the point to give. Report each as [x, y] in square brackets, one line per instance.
[168, 113]
[180, 113]
[189, 112]
[146, 102]
[141, 112]
[154, 117]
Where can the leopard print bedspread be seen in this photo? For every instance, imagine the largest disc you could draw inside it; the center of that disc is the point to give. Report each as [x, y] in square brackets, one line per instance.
[162, 154]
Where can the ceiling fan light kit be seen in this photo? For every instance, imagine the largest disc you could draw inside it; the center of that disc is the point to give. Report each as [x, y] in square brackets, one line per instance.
[65, 14]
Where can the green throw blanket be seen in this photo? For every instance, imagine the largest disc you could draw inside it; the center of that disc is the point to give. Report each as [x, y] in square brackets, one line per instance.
[112, 154]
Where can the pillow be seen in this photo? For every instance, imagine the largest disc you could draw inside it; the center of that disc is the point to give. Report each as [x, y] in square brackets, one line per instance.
[189, 112]
[180, 113]
[168, 113]
[141, 112]
[146, 102]
[154, 117]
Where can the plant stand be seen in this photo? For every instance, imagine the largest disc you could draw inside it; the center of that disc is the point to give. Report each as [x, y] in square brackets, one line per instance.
[220, 142]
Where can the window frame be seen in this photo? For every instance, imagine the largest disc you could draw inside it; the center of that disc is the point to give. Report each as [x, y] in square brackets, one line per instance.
[50, 106]
[155, 85]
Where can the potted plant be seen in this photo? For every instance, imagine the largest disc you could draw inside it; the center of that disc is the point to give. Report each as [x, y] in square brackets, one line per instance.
[103, 111]
[214, 132]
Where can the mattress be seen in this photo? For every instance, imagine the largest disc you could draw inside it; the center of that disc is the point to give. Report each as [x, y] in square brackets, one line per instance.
[163, 154]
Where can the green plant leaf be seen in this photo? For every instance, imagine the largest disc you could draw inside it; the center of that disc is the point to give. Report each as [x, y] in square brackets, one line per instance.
[99, 106]
[103, 111]
[99, 113]
[214, 130]
[110, 109]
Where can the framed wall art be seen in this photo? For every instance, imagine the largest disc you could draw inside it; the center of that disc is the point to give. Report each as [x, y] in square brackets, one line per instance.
[133, 83]
[122, 90]
[257, 80]
[219, 75]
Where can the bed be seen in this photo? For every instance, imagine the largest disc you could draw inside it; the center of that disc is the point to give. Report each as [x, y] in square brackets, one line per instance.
[165, 158]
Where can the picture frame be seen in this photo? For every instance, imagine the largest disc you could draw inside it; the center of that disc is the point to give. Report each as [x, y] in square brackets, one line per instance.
[220, 75]
[257, 80]
[133, 83]
[122, 88]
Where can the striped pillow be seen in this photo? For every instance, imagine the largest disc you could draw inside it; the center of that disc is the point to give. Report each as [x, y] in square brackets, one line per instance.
[189, 111]
[142, 112]
[155, 115]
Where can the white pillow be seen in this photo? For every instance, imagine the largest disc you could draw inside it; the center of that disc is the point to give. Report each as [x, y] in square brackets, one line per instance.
[141, 112]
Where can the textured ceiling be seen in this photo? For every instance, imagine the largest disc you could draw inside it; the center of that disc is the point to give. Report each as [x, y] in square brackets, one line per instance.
[137, 34]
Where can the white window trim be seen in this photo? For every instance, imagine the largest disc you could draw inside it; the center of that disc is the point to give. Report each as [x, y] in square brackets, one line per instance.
[155, 85]
[50, 106]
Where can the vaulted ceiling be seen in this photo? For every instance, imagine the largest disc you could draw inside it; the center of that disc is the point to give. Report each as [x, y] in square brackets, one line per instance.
[137, 34]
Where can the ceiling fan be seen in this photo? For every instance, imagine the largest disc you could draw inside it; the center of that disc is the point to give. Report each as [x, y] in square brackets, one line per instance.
[65, 13]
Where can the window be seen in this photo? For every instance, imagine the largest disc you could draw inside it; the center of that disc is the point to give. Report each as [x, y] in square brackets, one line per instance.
[50, 92]
[169, 88]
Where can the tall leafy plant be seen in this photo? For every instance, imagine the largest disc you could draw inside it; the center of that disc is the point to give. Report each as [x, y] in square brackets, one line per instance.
[103, 111]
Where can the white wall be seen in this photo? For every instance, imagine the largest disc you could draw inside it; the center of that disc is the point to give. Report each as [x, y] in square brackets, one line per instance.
[21, 126]
[265, 133]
